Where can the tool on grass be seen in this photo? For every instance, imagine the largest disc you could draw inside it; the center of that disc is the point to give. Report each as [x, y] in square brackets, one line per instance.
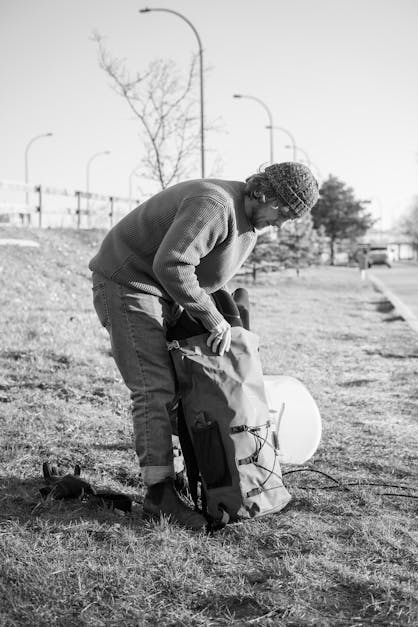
[71, 486]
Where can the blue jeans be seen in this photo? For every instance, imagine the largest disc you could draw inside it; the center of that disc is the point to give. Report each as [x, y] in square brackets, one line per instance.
[136, 324]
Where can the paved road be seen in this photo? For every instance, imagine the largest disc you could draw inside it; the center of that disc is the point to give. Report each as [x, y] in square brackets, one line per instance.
[400, 285]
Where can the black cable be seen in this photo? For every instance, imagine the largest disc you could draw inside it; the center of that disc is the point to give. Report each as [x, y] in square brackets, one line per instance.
[268, 470]
[407, 496]
[360, 484]
[352, 483]
[320, 472]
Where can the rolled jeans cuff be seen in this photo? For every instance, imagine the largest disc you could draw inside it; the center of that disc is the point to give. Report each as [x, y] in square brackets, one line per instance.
[156, 474]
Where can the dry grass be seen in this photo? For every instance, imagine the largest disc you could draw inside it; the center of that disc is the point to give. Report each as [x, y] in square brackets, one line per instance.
[333, 558]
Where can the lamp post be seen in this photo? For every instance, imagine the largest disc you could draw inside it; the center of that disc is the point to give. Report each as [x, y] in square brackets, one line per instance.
[308, 160]
[289, 134]
[202, 115]
[270, 117]
[27, 160]
[97, 154]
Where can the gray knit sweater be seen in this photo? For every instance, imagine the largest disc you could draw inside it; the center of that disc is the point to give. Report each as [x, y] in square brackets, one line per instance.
[182, 244]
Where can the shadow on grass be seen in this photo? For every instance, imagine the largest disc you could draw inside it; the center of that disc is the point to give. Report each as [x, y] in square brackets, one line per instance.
[384, 306]
[394, 319]
[389, 355]
[356, 383]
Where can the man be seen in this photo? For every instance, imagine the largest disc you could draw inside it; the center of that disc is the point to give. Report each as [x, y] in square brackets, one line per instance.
[170, 253]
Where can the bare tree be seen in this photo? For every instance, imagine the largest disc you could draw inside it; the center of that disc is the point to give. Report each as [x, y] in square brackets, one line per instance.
[164, 103]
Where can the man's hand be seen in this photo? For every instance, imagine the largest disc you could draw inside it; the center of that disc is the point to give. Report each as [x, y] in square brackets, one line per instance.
[219, 339]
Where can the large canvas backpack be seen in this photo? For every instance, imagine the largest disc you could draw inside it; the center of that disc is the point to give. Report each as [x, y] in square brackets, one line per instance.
[227, 432]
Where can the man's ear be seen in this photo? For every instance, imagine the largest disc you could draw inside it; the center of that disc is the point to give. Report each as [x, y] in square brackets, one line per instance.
[259, 196]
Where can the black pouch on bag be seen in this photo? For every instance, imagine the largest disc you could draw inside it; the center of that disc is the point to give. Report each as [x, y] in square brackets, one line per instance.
[210, 453]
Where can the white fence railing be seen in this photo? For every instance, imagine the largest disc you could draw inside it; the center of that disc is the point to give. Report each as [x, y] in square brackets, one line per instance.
[52, 206]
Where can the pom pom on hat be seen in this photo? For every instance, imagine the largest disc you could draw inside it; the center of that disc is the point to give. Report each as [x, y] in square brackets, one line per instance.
[295, 185]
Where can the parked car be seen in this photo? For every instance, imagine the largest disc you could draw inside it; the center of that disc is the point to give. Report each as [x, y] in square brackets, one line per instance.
[379, 256]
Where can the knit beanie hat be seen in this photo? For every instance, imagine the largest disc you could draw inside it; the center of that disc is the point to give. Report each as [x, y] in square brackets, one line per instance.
[295, 185]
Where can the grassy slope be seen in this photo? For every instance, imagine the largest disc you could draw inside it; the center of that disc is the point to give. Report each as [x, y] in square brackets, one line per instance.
[334, 558]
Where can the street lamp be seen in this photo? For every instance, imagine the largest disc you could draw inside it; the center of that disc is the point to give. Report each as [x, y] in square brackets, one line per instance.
[308, 160]
[270, 125]
[202, 127]
[318, 172]
[27, 160]
[97, 154]
[289, 134]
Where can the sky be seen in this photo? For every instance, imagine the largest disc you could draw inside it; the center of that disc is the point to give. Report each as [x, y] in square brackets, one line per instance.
[339, 75]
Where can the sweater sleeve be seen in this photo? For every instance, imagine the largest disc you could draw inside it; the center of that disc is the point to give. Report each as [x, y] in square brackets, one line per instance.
[200, 225]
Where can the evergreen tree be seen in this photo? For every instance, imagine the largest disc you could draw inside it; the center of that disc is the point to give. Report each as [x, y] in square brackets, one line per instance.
[296, 245]
[339, 213]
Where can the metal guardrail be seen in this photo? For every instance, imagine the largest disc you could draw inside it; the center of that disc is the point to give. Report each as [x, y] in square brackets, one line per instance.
[37, 208]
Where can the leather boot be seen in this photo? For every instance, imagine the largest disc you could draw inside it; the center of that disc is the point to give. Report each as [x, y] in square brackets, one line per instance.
[162, 498]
